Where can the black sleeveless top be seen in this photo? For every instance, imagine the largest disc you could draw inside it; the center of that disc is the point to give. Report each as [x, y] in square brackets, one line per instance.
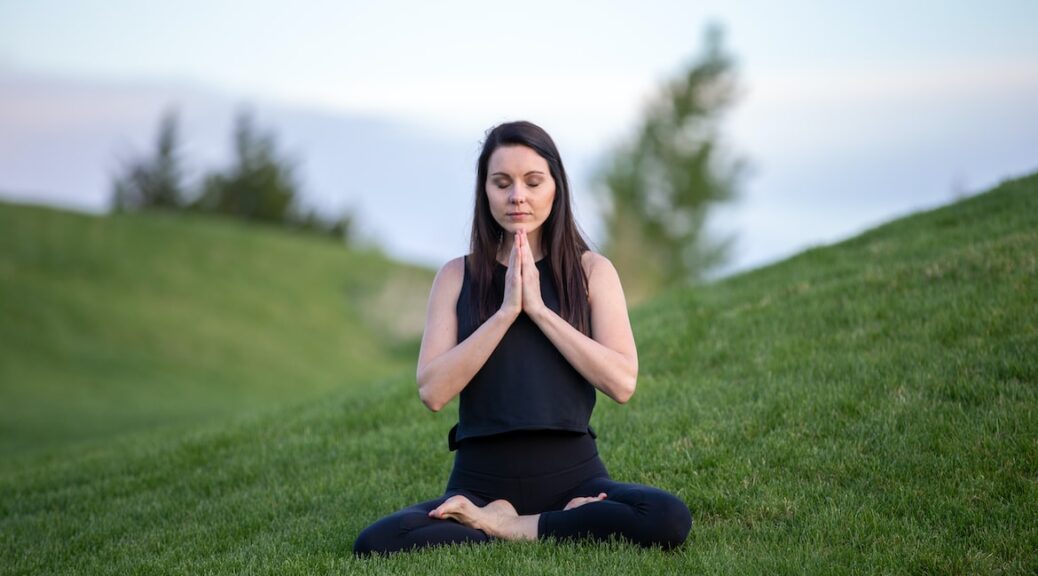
[526, 383]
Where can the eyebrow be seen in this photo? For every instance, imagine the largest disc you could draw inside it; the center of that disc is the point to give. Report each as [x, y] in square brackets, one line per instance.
[527, 174]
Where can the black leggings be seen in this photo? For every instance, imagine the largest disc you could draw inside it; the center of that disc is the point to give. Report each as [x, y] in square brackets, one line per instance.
[538, 472]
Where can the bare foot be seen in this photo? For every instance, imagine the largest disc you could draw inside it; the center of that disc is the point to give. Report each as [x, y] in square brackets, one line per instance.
[581, 500]
[502, 508]
[492, 518]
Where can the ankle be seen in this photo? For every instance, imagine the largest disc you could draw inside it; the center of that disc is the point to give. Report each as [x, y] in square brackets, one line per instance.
[517, 528]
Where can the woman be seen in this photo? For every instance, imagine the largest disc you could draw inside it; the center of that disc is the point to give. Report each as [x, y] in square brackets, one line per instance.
[525, 329]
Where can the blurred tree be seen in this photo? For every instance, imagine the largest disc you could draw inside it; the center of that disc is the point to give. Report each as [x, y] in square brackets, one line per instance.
[659, 187]
[260, 185]
[155, 182]
[342, 227]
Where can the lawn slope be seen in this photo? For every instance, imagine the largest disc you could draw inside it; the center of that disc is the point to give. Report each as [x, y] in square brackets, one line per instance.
[867, 407]
[112, 325]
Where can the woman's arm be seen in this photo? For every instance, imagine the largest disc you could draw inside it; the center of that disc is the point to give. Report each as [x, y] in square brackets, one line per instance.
[446, 366]
[609, 361]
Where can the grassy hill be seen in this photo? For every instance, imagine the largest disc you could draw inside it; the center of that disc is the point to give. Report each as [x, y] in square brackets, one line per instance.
[867, 407]
[134, 322]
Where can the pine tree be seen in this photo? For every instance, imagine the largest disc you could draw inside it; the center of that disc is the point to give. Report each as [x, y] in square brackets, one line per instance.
[660, 186]
[155, 182]
[260, 185]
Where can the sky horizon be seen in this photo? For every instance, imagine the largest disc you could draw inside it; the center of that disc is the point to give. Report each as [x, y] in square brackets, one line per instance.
[849, 116]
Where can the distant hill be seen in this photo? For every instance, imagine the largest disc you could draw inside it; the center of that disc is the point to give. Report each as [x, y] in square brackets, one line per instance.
[124, 322]
[371, 164]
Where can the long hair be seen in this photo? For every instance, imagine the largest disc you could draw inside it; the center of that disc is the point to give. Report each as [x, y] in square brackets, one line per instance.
[562, 241]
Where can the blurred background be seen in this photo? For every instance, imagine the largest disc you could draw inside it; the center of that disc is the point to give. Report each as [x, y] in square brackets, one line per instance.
[850, 115]
[716, 136]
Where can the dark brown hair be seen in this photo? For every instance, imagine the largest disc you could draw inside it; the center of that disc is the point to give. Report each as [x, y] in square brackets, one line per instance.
[562, 241]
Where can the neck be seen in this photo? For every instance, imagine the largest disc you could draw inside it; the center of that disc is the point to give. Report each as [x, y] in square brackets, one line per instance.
[533, 238]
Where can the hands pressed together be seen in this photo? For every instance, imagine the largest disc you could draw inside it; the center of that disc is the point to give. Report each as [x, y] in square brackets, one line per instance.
[523, 280]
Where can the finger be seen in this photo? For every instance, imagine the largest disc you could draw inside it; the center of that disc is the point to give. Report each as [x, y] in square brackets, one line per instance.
[517, 251]
[527, 253]
[513, 255]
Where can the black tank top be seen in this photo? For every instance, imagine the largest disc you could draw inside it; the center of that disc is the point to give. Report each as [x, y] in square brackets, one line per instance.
[526, 383]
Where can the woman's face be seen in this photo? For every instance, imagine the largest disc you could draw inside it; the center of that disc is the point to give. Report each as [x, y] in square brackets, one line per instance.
[519, 187]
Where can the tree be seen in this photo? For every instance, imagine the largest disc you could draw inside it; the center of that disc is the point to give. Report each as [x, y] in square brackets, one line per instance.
[342, 227]
[260, 185]
[660, 186]
[155, 182]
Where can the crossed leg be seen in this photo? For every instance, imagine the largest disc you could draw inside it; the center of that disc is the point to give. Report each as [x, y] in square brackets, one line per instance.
[412, 527]
[642, 514]
[598, 508]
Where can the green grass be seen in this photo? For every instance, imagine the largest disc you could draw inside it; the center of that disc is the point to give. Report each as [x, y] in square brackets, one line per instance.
[139, 322]
[868, 407]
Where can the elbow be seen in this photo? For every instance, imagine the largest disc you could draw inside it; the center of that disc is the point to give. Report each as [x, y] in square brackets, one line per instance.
[625, 390]
[627, 382]
[431, 403]
[433, 406]
[625, 387]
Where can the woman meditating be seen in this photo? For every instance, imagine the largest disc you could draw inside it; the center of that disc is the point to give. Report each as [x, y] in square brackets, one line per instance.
[525, 328]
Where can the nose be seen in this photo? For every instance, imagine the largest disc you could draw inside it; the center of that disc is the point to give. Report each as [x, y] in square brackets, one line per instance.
[518, 195]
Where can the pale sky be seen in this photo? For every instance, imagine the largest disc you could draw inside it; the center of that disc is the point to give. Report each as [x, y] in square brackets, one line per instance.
[851, 114]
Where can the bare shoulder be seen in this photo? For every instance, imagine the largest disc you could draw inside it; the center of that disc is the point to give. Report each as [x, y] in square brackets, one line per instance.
[440, 332]
[443, 295]
[602, 275]
[592, 261]
[451, 275]
[454, 267]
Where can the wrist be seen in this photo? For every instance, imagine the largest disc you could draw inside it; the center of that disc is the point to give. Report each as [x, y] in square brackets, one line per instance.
[538, 313]
[508, 315]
